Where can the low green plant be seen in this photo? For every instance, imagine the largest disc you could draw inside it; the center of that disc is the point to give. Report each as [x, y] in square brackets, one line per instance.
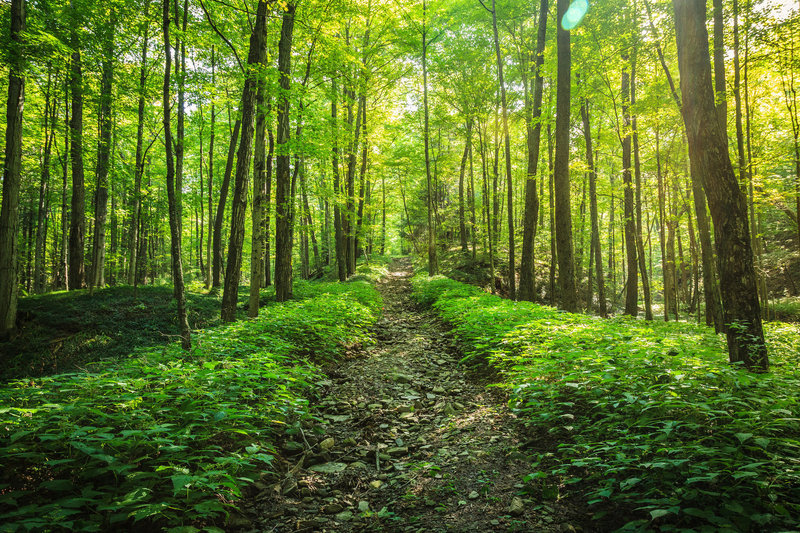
[167, 436]
[648, 417]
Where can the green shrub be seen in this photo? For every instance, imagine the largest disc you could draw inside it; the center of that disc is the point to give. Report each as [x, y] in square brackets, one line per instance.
[166, 435]
[644, 416]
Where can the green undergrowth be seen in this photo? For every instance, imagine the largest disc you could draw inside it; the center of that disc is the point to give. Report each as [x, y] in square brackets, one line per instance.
[61, 331]
[645, 418]
[165, 438]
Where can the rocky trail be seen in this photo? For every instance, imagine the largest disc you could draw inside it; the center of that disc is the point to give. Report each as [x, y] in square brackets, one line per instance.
[409, 441]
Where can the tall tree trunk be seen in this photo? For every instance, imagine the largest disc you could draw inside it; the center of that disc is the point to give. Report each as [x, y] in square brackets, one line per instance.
[341, 260]
[77, 227]
[103, 156]
[662, 220]
[175, 236]
[223, 200]
[180, 74]
[533, 113]
[138, 170]
[207, 274]
[44, 188]
[512, 275]
[9, 212]
[719, 67]
[462, 223]
[563, 214]
[593, 215]
[708, 147]
[283, 193]
[268, 195]
[433, 263]
[233, 269]
[631, 280]
[259, 195]
[637, 169]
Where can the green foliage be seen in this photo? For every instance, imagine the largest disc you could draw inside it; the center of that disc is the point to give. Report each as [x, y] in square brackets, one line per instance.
[164, 435]
[644, 416]
[63, 330]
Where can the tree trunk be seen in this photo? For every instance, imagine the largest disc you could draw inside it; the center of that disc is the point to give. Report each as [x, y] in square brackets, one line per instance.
[77, 227]
[9, 212]
[223, 200]
[44, 188]
[283, 197]
[533, 113]
[209, 260]
[433, 263]
[341, 260]
[631, 280]
[103, 156]
[593, 215]
[259, 195]
[233, 269]
[462, 223]
[563, 214]
[708, 147]
[175, 240]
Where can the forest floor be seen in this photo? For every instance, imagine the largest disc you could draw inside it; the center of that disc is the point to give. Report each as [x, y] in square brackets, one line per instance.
[408, 440]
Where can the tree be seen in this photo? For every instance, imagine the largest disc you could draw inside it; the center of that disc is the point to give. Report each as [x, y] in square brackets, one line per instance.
[77, 226]
[175, 234]
[255, 62]
[283, 182]
[533, 112]
[9, 212]
[433, 262]
[708, 148]
[563, 213]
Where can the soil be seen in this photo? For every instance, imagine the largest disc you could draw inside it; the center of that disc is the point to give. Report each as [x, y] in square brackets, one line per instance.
[408, 439]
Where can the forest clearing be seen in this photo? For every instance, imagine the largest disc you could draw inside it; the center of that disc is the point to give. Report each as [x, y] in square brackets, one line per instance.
[400, 265]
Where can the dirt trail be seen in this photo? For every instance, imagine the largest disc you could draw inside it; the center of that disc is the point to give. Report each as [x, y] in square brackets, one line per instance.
[408, 442]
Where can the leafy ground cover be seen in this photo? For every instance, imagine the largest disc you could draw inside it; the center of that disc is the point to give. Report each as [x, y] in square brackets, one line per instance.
[164, 438]
[61, 331]
[646, 418]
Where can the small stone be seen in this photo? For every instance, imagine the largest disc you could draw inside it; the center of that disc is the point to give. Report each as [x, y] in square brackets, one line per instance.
[376, 484]
[495, 522]
[397, 451]
[344, 516]
[462, 502]
[327, 444]
[473, 495]
[438, 389]
[332, 508]
[448, 410]
[400, 378]
[517, 506]
[328, 468]
[291, 447]
[349, 441]
[458, 405]
[363, 506]
[405, 409]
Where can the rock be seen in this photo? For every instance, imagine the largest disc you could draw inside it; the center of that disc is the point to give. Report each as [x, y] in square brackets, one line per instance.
[349, 441]
[448, 410]
[438, 389]
[397, 377]
[473, 495]
[327, 444]
[495, 522]
[376, 484]
[344, 516]
[328, 468]
[291, 447]
[363, 506]
[517, 506]
[405, 409]
[397, 451]
[357, 465]
[332, 508]
[459, 405]
[289, 486]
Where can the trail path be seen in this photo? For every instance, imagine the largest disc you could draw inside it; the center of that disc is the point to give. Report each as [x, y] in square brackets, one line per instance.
[410, 442]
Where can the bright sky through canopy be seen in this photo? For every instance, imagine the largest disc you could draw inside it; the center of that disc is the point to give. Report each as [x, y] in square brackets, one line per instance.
[574, 15]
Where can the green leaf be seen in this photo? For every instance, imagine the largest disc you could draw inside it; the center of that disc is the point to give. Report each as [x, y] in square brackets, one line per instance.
[743, 437]
[658, 513]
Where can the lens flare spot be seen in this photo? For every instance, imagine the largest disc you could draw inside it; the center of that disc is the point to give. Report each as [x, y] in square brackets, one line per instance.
[574, 15]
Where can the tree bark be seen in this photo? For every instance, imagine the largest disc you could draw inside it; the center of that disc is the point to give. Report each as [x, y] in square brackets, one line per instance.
[77, 227]
[233, 269]
[103, 157]
[563, 214]
[259, 195]
[9, 212]
[433, 263]
[223, 200]
[631, 280]
[533, 113]
[175, 235]
[283, 196]
[593, 215]
[709, 149]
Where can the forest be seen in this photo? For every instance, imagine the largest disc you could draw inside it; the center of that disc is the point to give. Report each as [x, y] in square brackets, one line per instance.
[394, 265]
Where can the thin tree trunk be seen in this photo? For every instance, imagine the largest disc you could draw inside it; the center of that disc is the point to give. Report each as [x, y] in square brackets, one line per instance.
[433, 263]
[283, 197]
[341, 260]
[533, 112]
[462, 224]
[259, 195]
[593, 215]
[77, 228]
[103, 156]
[223, 198]
[175, 240]
[44, 188]
[631, 280]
